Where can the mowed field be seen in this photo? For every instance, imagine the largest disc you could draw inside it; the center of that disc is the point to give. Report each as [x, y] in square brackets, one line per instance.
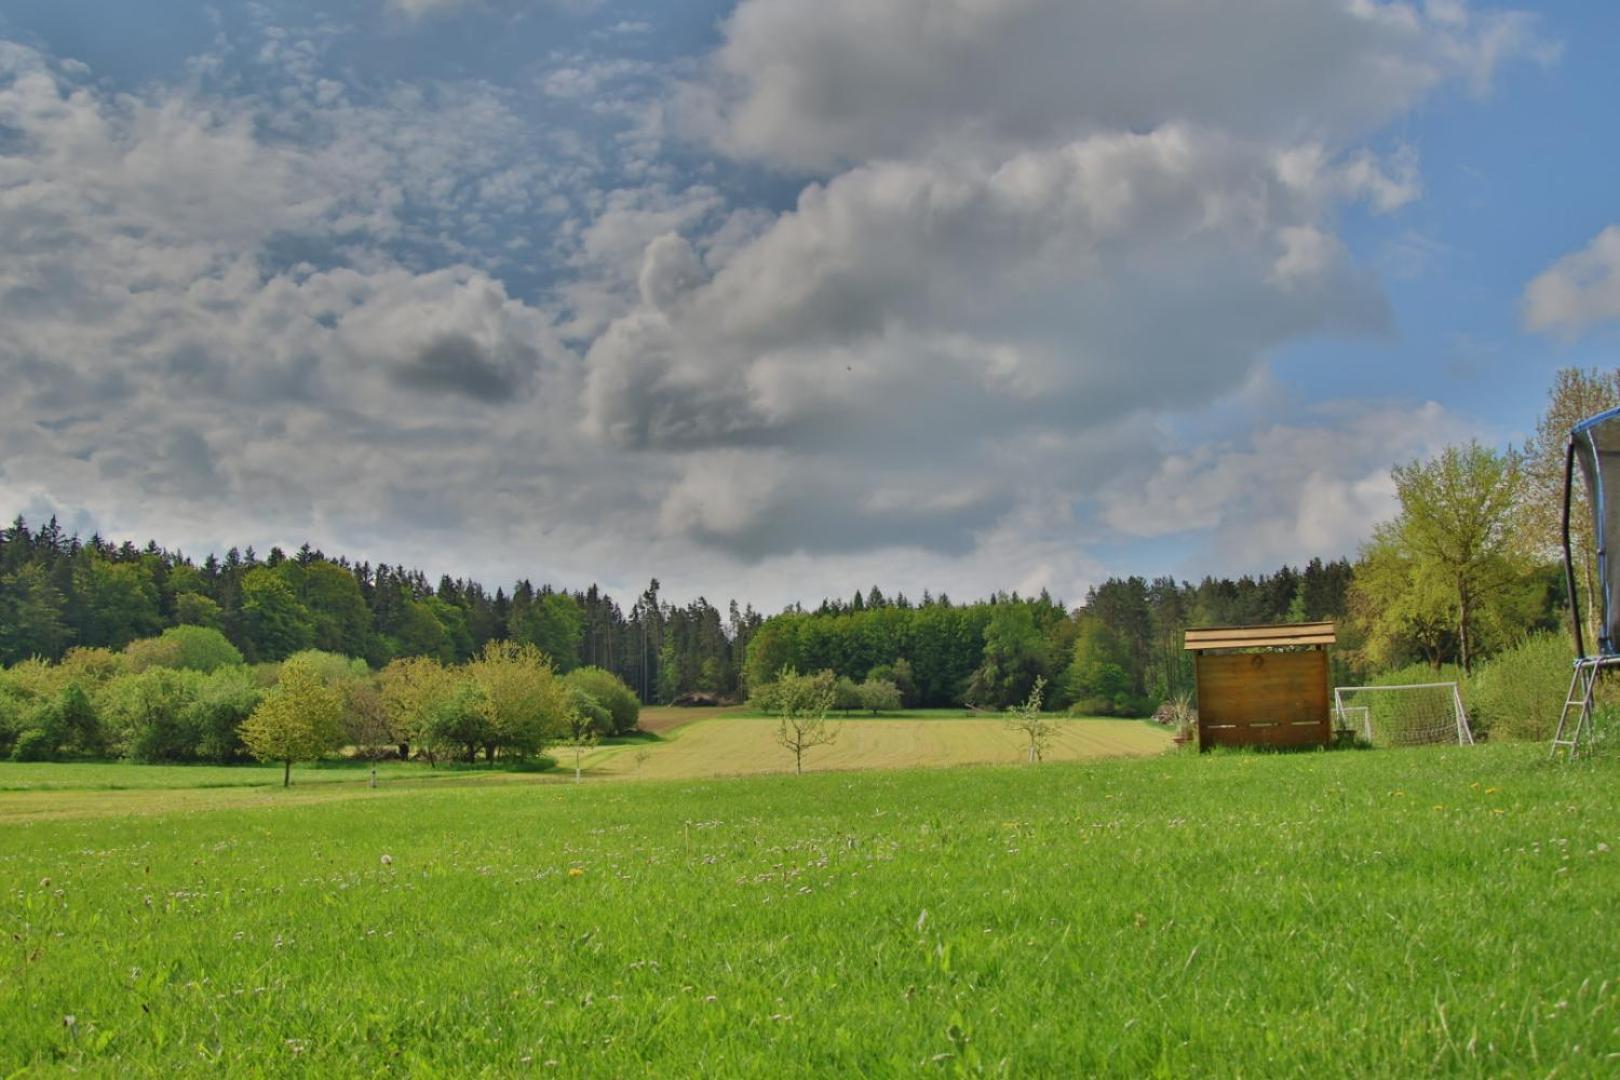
[730, 743]
[1386, 913]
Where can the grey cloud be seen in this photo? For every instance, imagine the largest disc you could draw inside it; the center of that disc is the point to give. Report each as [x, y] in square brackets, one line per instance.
[457, 364]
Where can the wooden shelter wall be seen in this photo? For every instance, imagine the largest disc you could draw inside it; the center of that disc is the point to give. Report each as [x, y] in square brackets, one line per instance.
[1263, 699]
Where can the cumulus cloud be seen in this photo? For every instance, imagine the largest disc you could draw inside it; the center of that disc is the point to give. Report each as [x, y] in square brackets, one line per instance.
[1579, 290]
[386, 315]
[1317, 486]
[817, 86]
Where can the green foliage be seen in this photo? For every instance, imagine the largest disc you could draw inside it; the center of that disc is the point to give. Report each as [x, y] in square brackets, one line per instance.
[461, 721]
[274, 625]
[1519, 693]
[1099, 676]
[846, 694]
[609, 691]
[525, 703]
[117, 602]
[221, 703]
[301, 719]
[586, 720]
[1027, 719]
[412, 690]
[554, 625]
[879, 695]
[899, 675]
[148, 715]
[1454, 543]
[195, 609]
[331, 668]
[197, 648]
[340, 621]
[32, 616]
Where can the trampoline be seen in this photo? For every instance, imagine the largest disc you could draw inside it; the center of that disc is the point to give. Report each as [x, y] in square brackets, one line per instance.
[1594, 446]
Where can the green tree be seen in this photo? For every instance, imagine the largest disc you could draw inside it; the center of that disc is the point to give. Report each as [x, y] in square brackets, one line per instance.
[195, 609]
[555, 625]
[274, 624]
[340, 619]
[526, 703]
[301, 719]
[116, 602]
[461, 720]
[1015, 655]
[611, 693]
[1575, 395]
[32, 616]
[195, 647]
[802, 702]
[879, 695]
[412, 688]
[1456, 527]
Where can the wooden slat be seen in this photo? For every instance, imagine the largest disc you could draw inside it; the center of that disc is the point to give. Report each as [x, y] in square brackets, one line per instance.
[1263, 699]
[1254, 637]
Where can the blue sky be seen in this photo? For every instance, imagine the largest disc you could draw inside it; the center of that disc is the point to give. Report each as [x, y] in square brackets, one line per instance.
[776, 300]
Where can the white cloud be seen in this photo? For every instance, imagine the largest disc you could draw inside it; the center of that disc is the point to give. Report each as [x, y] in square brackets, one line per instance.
[1286, 491]
[814, 86]
[1036, 230]
[1579, 290]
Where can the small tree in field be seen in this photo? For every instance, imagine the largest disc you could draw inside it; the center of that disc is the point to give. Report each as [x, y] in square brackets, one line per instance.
[1036, 727]
[803, 701]
[584, 723]
[301, 719]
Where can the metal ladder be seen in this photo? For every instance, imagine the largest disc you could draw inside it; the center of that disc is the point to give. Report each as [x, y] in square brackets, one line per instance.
[1583, 681]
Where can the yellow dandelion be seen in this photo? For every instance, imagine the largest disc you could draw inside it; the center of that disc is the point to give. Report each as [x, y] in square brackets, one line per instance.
[574, 871]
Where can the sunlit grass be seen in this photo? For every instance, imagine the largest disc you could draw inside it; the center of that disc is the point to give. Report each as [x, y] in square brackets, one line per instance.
[1378, 913]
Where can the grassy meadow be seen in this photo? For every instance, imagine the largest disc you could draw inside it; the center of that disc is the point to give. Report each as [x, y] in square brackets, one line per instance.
[1380, 913]
[733, 743]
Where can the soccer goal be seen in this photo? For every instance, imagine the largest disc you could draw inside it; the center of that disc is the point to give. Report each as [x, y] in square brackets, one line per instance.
[1417, 714]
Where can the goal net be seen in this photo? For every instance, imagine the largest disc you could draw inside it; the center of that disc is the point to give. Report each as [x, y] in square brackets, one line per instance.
[1417, 714]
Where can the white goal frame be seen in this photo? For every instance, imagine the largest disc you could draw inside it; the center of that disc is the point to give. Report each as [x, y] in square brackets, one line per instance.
[1465, 734]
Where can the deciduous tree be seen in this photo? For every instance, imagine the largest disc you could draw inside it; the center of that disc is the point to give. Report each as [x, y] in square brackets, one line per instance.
[300, 719]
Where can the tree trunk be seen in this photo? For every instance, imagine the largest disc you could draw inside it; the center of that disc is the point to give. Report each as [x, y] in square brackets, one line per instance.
[1462, 624]
[404, 751]
[798, 760]
[286, 774]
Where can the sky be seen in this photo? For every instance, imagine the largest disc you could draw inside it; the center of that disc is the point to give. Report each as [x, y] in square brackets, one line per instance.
[781, 299]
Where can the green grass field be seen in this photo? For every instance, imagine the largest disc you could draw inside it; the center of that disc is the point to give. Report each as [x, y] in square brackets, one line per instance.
[1373, 913]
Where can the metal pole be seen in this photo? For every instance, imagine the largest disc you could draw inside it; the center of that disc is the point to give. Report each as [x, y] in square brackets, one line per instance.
[1569, 560]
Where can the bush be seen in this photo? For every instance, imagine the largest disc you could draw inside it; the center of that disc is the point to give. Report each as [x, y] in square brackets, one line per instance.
[1519, 694]
[192, 648]
[333, 668]
[62, 725]
[611, 693]
[148, 716]
[223, 702]
[846, 695]
[35, 744]
[879, 695]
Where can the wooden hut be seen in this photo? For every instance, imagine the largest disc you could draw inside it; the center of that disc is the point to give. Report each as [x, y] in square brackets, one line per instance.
[1263, 685]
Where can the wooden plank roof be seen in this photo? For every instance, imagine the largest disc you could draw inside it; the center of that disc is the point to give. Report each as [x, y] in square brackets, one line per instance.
[1275, 635]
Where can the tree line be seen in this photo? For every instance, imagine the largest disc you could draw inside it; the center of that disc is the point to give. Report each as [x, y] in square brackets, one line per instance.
[59, 592]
